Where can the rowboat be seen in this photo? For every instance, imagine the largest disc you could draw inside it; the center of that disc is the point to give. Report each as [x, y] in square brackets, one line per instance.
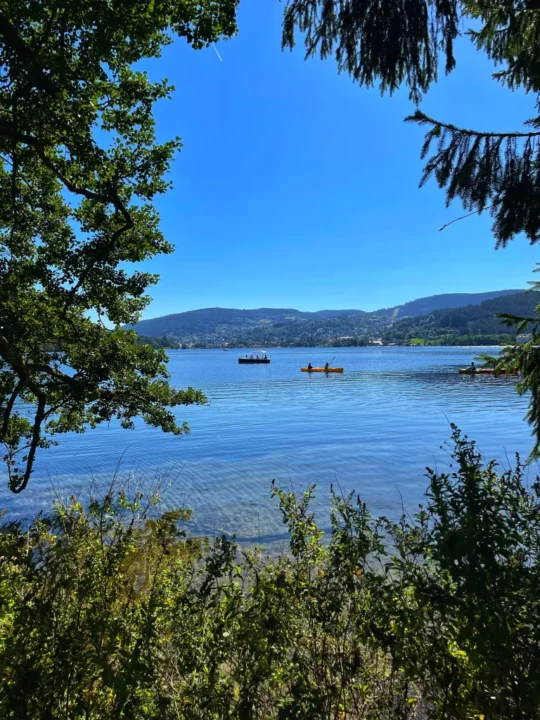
[325, 370]
[254, 361]
[486, 371]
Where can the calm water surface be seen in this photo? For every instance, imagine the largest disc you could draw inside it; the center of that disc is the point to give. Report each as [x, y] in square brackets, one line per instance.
[373, 429]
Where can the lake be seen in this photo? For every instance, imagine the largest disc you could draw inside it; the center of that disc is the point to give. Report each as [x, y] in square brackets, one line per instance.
[373, 430]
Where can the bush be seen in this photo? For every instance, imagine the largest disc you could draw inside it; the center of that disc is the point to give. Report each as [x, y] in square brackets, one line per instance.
[109, 612]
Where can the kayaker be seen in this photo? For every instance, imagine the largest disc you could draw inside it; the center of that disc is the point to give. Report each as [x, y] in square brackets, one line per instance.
[327, 366]
[473, 367]
[310, 366]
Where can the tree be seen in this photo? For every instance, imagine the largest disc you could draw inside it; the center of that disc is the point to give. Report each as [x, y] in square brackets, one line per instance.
[402, 42]
[80, 168]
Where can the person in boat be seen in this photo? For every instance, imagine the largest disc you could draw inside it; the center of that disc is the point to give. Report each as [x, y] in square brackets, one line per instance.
[251, 356]
[326, 366]
[310, 366]
[473, 367]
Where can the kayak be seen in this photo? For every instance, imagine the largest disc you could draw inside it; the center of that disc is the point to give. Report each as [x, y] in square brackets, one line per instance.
[486, 371]
[326, 370]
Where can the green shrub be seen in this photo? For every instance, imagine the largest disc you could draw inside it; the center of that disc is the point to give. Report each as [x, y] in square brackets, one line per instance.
[112, 611]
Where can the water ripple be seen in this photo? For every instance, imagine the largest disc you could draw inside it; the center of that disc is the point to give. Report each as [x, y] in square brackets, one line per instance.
[372, 429]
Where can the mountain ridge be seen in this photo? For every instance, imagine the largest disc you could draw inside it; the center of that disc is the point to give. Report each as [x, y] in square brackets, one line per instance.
[461, 325]
[444, 301]
[215, 326]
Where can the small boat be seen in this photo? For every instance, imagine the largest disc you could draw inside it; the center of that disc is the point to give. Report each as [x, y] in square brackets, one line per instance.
[253, 361]
[486, 371]
[324, 370]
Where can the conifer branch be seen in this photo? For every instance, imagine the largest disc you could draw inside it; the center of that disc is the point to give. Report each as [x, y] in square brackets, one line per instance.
[486, 170]
[423, 119]
[463, 217]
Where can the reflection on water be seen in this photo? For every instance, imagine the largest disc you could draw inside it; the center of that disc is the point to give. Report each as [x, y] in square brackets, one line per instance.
[372, 429]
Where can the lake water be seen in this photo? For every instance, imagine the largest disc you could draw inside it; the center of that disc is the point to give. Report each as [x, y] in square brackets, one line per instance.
[373, 429]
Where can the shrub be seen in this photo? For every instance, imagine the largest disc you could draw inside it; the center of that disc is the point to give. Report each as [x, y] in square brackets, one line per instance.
[112, 611]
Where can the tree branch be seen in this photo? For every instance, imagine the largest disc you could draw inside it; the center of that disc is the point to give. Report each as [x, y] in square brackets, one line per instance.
[12, 356]
[98, 255]
[508, 7]
[423, 119]
[463, 217]
[36, 436]
[8, 130]
[112, 197]
[9, 406]
[49, 370]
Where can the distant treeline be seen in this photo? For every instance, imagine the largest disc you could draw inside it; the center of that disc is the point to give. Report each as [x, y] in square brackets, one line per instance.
[464, 340]
[170, 344]
[441, 340]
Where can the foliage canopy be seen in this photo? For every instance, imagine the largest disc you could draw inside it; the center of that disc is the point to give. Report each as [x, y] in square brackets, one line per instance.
[80, 168]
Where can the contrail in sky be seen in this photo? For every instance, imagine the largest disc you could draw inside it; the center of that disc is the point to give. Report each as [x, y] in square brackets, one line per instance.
[219, 56]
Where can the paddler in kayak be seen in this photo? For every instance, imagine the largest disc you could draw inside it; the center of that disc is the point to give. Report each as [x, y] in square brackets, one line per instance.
[310, 366]
[327, 365]
[473, 367]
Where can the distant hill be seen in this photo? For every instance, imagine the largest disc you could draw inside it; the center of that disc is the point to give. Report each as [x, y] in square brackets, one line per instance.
[213, 327]
[226, 325]
[426, 305]
[465, 322]
[209, 320]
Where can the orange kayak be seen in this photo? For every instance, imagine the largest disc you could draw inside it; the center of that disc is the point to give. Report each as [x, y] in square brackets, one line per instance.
[325, 370]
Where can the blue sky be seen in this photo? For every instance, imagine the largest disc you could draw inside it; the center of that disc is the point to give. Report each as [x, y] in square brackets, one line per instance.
[296, 188]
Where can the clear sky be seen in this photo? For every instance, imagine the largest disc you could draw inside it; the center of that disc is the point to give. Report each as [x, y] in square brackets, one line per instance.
[296, 188]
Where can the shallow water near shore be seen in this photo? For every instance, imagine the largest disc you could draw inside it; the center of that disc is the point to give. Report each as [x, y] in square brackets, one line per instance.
[373, 430]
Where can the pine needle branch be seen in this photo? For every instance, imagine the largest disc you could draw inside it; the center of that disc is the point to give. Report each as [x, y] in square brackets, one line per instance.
[423, 119]
[463, 217]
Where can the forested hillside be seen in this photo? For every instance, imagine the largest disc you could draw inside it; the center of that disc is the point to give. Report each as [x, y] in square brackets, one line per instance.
[270, 327]
[426, 305]
[214, 327]
[466, 323]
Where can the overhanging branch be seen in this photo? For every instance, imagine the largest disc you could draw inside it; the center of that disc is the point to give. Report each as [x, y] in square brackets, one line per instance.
[36, 437]
[8, 130]
[423, 119]
[53, 372]
[12, 356]
[9, 407]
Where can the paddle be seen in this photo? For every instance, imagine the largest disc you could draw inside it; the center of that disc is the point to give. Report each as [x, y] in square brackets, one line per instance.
[331, 361]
